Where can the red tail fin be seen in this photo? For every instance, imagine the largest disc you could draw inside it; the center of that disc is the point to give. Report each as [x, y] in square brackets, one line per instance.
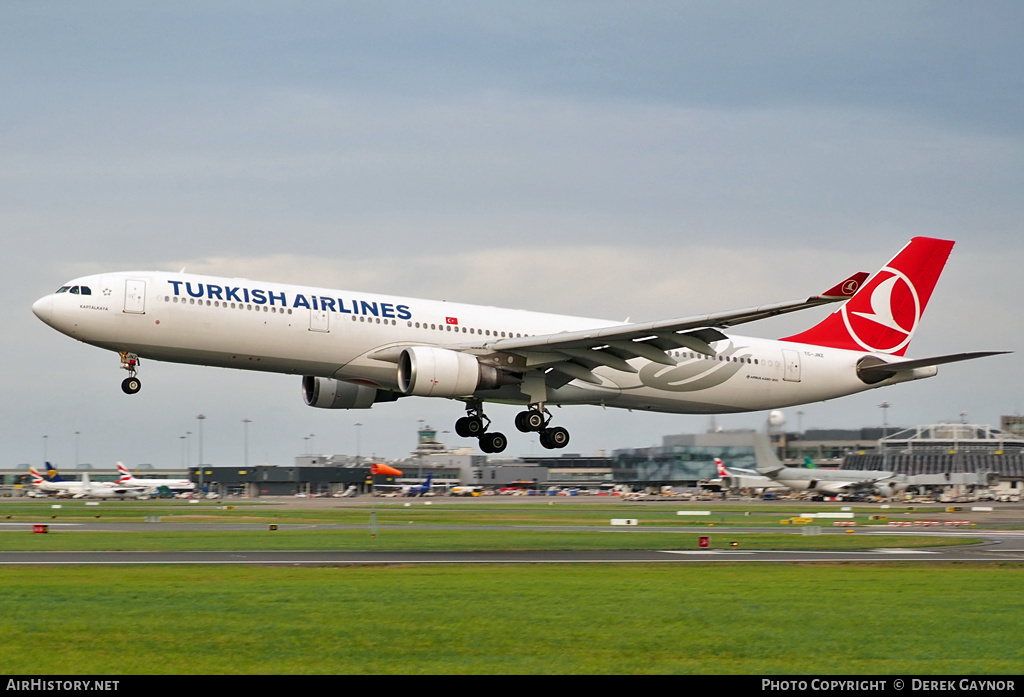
[883, 315]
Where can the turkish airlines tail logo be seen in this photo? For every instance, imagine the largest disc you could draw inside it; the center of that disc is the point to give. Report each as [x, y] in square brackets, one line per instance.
[885, 312]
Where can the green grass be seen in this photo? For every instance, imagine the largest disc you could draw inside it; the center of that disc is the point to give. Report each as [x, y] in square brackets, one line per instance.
[788, 619]
[467, 526]
[539, 619]
[441, 511]
[398, 539]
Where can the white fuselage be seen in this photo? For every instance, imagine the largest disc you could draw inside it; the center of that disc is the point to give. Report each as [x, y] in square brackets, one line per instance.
[68, 487]
[172, 484]
[88, 489]
[839, 481]
[252, 325]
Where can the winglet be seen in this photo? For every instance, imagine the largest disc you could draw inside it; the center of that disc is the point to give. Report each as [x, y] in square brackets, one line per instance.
[847, 288]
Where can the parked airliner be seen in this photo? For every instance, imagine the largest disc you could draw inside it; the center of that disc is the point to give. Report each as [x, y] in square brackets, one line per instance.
[86, 488]
[126, 478]
[355, 349]
[829, 482]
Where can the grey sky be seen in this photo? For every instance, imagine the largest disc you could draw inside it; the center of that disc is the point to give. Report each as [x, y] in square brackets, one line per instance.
[646, 160]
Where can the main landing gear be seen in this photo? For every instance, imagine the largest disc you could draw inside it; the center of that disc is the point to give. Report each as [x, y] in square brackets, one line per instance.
[130, 362]
[475, 424]
[535, 419]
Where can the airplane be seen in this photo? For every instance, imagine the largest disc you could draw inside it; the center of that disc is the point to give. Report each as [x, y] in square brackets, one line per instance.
[81, 489]
[354, 350]
[52, 482]
[106, 490]
[419, 489]
[128, 479]
[827, 482]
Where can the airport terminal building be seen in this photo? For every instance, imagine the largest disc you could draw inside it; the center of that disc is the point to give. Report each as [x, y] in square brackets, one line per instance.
[942, 455]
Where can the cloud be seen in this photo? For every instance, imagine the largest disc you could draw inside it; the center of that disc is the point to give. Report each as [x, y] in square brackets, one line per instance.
[586, 158]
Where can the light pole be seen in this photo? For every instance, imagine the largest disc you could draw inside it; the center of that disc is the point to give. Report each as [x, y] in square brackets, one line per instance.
[359, 459]
[77, 434]
[884, 406]
[45, 458]
[200, 419]
[245, 436]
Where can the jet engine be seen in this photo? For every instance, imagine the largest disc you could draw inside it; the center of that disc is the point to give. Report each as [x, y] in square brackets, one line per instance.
[328, 393]
[426, 371]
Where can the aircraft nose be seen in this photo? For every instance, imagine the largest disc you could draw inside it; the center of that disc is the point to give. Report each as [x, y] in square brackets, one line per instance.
[43, 309]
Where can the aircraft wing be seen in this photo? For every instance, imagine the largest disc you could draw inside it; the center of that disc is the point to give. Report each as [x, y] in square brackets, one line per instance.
[576, 354]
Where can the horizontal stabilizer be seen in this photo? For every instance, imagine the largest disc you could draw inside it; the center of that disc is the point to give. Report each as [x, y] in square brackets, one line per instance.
[872, 370]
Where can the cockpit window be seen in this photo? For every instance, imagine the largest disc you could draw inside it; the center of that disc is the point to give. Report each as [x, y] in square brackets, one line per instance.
[74, 290]
[86, 290]
[64, 289]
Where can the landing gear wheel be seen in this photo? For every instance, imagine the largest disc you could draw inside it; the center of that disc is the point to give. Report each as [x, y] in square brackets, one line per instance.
[130, 362]
[531, 420]
[552, 438]
[469, 426]
[493, 442]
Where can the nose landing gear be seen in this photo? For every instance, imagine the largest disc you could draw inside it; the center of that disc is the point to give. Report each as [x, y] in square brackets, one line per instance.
[130, 362]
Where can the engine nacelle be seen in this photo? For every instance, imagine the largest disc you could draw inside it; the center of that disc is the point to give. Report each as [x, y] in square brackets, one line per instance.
[328, 393]
[426, 371]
